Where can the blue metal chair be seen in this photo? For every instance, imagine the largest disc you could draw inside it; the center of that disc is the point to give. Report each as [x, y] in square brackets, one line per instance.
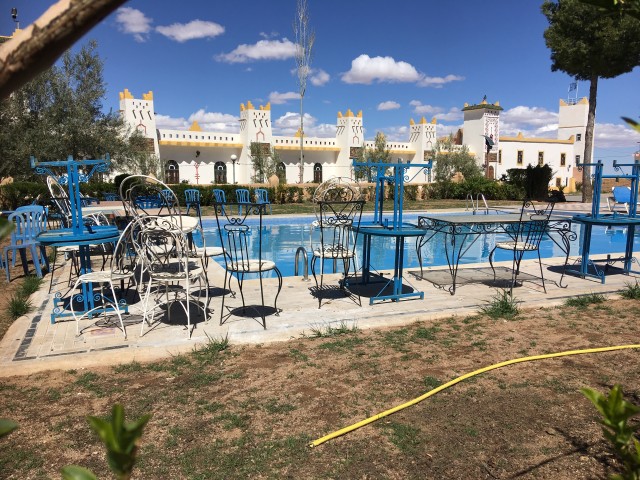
[621, 196]
[262, 198]
[219, 198]
[29, 222]
[243, 199]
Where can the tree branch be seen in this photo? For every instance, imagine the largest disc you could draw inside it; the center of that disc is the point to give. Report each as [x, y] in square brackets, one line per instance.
[38, 46]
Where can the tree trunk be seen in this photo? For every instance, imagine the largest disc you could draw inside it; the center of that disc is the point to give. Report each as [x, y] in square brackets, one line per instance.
[587, 188]
[38, 46]
[301, 172]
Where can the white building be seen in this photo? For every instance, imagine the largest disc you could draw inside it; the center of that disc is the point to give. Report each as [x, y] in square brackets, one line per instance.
[206, 157]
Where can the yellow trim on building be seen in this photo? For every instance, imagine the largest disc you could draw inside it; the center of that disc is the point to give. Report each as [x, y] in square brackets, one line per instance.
[411, 122]
[250, 105]
[195, 127]
[359, 114]
[126, 94]
[423, 121]
[434, 121]
[242, 107]
[306, 148]
[185, 143]
[412, 152]
[349, 113]
[148, 96]
[339, 114]
[521, 138]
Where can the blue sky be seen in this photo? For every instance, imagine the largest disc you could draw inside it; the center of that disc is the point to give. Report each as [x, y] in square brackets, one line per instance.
[392, 60]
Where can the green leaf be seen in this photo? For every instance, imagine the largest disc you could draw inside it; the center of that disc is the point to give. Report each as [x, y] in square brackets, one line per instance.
[7, 426]
[74, 472]
[632, 123]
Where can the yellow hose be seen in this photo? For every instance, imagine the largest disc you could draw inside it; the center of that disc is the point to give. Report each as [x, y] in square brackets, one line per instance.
[372, 419]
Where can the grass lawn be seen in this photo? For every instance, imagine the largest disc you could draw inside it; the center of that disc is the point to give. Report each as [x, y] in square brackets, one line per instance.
[250, 411]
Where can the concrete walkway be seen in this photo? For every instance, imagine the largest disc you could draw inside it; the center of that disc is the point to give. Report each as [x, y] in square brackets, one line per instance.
[34, 344]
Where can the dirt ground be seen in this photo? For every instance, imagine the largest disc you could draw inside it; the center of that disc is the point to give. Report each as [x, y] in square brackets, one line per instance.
[250, 411]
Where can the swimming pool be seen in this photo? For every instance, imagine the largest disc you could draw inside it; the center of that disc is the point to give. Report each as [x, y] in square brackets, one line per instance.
[282, 236]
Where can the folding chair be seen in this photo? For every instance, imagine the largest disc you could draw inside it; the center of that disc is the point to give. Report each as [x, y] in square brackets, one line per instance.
[262, 197]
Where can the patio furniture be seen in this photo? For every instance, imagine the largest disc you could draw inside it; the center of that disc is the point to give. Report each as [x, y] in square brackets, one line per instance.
[524, 237]
[219, 197]
[337, 243]
[29, 222]
[110, 197]
[122, 267]
[262, 197]
[621, 196]
[164, 250]
[237, 237]
[243, 199]
[192, 200]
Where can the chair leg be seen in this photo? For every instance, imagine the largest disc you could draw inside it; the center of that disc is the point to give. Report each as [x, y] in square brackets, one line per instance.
[116, 306]
[541, 274]
[264, 320]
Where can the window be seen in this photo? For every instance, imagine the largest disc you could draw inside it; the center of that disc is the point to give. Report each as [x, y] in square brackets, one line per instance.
[577, 159]
[317, 173]
[520, 157]
[558, 182]
[563, 159]
[220, 172]
[578, 137]
[499, 157]
[540, 159]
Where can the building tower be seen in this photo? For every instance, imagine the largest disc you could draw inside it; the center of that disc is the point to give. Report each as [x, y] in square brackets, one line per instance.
[572, 120]
[255, 127]
[349, 137]
[140, 115]
[422, 138]
[482, 126]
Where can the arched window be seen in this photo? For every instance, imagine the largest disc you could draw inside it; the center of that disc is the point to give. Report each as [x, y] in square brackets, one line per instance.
[281, 172]
[317, 173]
[220, 172]
[172, 172]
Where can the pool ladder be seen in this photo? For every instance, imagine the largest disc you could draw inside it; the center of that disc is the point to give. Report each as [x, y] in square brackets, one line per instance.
[302, 251]
[475, 204]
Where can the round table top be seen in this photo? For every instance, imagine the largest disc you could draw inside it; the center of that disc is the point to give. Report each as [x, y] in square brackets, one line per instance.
[377, 230]
[607, 220]
[66, 236]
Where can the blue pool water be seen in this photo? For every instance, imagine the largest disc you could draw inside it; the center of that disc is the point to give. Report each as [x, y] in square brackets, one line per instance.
[283, 235]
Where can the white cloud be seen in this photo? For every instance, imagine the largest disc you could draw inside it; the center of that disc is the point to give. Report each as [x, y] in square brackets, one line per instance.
[289, 123]
[181, 32]
[609, 135]
[366, 70]
[319, 77]
[454, 114]
[262, 50]
[438, 82]
[278, 98]
[388, 105]
[531, 121]
[134, 22]
[171, 123]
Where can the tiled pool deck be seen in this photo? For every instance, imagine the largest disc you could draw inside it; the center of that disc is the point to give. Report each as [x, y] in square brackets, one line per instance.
[34, 344]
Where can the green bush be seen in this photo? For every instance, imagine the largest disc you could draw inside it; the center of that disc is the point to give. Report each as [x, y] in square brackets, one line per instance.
[17, 194]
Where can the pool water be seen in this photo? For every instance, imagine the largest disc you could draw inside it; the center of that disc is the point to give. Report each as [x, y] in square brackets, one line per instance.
[283, 236]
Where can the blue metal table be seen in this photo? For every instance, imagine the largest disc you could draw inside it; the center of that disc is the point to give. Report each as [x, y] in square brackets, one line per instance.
[399, 233]
[98, 235]
[615, 220]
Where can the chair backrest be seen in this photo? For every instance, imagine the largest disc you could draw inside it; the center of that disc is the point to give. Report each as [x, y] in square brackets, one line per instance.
[335, 221]
[534, 220]
[192, 195]
[622, 194]
[219, 196]
[242, 195]
[238, 237]
[262, 195]
[161, 245]
[141, 193]
[29, 221]
[60, 198]
[124, 258]
[110, 196]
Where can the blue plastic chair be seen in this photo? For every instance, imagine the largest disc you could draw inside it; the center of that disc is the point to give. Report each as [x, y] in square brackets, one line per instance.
[29, 222]
[262, 198]
[242, 199]
[220, 198]
[192, 199]
[621, 196]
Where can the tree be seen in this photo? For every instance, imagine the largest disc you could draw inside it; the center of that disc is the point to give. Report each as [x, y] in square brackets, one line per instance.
[378, 154]
[264, 162]
[59, 113]
[588, 45]
[449, 160]
[305, 39]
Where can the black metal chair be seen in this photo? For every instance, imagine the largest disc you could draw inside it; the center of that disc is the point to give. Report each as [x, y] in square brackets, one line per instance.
[241, 241]
[337, 242]
[525, 236]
